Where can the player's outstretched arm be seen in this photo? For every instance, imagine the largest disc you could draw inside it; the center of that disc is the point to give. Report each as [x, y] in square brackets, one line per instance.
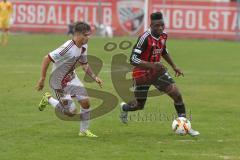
[169, 60]
[45, 63]
[88, 71]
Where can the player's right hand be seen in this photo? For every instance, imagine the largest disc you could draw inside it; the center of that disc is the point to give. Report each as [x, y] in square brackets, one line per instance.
[40, 85]
[99, 81]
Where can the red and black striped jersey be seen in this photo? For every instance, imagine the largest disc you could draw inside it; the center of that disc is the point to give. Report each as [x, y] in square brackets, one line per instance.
[148, 48]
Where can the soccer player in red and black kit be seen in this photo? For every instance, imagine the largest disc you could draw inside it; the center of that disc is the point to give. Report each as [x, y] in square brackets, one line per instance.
[148, 70]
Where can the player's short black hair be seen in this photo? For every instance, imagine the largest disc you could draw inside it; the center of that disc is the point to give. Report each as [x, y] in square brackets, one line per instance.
[81, 27]
[156, 16]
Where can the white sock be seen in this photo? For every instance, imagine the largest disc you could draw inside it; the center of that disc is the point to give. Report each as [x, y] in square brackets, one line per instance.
[53, 102]
[84, 123]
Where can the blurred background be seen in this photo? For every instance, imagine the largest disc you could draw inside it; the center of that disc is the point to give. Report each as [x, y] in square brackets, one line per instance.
[209, 19]
[203, 41]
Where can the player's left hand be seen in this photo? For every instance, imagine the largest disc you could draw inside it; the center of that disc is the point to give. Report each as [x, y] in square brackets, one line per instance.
[178, 72]
[99, 81]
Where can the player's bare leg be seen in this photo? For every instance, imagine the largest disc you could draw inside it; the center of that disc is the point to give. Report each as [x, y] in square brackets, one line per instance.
[4, 41]
[140, 93]
[134, 105]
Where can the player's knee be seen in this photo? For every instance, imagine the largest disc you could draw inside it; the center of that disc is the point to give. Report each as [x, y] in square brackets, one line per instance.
[65, 110]
[68, 112]
[72, 108]
[175, 94]
[85, 103]
[68, 107]
[64, 102]
[170, 89]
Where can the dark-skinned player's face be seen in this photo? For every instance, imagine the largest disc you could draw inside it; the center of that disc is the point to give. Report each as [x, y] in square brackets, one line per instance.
[157, 27]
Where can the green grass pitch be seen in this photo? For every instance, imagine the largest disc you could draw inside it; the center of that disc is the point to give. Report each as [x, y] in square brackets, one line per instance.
[210, 89]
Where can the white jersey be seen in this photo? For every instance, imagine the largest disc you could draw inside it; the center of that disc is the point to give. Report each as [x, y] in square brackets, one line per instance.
[65, 58]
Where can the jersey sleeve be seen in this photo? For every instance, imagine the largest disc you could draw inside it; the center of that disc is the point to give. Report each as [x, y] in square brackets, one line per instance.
[139, 48]
[83, 59]
[54, 56]
[61, 52]
[164, 37]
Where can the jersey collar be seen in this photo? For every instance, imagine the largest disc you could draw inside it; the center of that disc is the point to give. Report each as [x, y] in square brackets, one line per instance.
[149, 31]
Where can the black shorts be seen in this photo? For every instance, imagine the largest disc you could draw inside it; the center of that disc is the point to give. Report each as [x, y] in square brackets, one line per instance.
[141, 87]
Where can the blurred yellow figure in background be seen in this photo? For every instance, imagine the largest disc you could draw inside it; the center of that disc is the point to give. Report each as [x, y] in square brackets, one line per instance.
[6, 10]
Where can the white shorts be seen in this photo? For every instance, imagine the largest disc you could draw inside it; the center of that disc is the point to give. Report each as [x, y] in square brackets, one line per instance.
[74, 88]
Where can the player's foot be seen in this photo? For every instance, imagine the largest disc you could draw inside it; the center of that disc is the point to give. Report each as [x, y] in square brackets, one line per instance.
[193, 132]
[87, 133]
[44, 101]
[123, 114]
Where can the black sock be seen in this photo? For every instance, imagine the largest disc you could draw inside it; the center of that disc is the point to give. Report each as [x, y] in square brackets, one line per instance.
[180, 108]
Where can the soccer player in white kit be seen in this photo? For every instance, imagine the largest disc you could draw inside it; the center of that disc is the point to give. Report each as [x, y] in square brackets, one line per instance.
[63, 79]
